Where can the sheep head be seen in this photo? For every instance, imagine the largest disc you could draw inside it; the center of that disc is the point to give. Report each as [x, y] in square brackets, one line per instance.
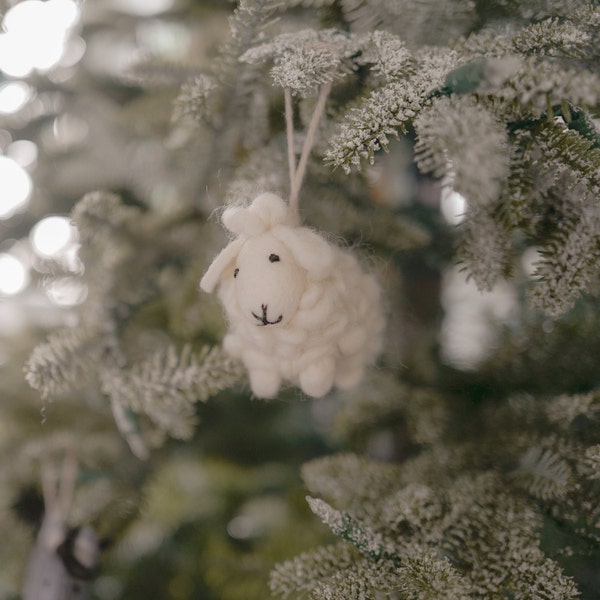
[265, 269]
[269, 282]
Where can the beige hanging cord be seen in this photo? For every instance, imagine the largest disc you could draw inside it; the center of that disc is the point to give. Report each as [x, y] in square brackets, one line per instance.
[297, 174]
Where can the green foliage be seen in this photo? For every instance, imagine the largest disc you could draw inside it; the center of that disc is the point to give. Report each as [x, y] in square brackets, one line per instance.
[193, 104]
[468, 113]
[485, 248]
[440, 537]
[345, 526]
[560, 38]
[590, 466]
[543, 473]
[305, 60]
[431, 482]
[152, 380]
[167, 384]
[386, 110]
[65, 360]
[445, 132]
[482, 488]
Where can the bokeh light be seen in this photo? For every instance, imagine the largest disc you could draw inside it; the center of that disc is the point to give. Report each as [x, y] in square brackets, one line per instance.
[67, 291]
[15, 187]
[69, 131]
[452, 205]
[530, 260]
[472, 319]
[14, 95]
[13, 275]
[52, 236]
[23, 152]
[73, 52]
[35, 35]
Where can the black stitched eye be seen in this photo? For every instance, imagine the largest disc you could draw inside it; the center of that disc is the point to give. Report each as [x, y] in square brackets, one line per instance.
[235, 273]
[274, 258]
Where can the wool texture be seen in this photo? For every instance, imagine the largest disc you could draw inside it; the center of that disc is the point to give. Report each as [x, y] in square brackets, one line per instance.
[299, 308]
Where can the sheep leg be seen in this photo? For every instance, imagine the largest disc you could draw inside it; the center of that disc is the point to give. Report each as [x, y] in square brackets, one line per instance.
[317, 378]
[265, 383]
[265, 379]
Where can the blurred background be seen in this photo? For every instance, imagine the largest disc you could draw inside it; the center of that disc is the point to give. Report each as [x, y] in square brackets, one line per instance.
[74, 118]
[82, 108]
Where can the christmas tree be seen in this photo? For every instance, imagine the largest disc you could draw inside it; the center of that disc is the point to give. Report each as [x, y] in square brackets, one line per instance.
[451, 148]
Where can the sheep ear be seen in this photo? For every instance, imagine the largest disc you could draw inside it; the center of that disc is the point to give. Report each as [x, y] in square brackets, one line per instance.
[219, 264]
[240, 220]
[309, 249]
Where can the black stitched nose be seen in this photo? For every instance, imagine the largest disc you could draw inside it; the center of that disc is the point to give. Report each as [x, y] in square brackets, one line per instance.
[263, 318]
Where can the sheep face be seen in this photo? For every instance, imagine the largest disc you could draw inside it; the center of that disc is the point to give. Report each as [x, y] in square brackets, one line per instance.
[268, 283]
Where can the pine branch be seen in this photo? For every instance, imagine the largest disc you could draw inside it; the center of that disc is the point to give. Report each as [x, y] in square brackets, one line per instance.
[567, 148]
[300, 576]
[543, 473]
[423, 576]
[387, 110]
[349, 481]
[486, 517]
[427, 576]
[420, 575]
[554, 175]
[167, 385]
[461, 142]
[569, 263]
[536, 10]
[516, 209]
[590, 465]
[307, 59]
[488, 42]
[565, 409]
[387, 55]
[101, 214]
[347, 527]
[485, 248]
[228, 86]
[536, 84]
[424, 22]
[197, 102]
[571, 35]
[542, 577]
[65, 361]
[554, 37]
[414, 513]
[250, 18]
[466, 519]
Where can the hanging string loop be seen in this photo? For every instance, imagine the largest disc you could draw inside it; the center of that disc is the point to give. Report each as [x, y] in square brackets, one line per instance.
[298, 172]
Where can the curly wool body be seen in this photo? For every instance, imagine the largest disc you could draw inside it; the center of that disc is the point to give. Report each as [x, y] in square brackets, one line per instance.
[299, 308]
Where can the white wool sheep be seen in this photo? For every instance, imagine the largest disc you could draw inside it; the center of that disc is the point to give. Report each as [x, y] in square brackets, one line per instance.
[299, 308]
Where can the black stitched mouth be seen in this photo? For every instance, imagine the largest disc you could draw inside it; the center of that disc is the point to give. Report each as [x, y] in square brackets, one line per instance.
[263, 319]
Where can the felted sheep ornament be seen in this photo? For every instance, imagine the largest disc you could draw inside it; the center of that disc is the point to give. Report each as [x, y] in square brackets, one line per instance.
[299, 308]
